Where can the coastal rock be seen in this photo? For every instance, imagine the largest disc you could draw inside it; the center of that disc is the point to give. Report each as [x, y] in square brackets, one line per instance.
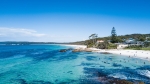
[88, 50]
[120, 82]
[81, 50]
[105, 53]
[141, 82]
[76, 50]
[63, 50]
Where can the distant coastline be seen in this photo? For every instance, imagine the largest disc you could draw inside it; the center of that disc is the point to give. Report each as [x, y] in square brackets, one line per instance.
[25, 43]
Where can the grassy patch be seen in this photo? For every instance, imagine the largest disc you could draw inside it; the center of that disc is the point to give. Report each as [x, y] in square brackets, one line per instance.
[112, 46]
[148, 48]
[134, 47]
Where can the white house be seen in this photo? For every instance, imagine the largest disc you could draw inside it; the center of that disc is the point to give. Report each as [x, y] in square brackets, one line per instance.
[100, 41]
[131, 41]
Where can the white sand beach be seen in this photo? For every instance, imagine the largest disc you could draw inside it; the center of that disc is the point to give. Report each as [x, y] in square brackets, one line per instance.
[76, 46]
[130, 53]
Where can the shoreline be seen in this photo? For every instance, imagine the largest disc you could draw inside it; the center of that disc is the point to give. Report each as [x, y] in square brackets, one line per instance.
[142, 54]
[75, 46]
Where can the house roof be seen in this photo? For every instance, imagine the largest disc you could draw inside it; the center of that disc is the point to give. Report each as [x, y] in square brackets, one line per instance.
[100, 41]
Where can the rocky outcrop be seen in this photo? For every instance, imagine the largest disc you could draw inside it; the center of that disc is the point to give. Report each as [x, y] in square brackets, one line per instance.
[88, 50]
[116, 81]
[82, 50]
[120, 82]
[76, 50]
[105, 53]
[65, 50]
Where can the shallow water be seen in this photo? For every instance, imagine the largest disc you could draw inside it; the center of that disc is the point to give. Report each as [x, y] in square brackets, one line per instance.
[44, 64]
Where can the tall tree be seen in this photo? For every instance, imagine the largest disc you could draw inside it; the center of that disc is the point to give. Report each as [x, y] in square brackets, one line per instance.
[114, 35]
[94, 38]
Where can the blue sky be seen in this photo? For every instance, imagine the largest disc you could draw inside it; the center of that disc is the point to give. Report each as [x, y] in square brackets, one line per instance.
[71, 20]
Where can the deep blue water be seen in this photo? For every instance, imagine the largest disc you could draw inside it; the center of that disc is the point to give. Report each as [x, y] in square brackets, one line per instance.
[44, 64]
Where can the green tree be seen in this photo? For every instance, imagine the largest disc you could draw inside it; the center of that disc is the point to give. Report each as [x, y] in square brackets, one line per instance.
[119, 39]
[147, 44]
[93, 37]
[113, 35]
[141, 39]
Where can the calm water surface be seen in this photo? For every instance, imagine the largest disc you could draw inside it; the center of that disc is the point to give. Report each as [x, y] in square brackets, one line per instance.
[44, 64]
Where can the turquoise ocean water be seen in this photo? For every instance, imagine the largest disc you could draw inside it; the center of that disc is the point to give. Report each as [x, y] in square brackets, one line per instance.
[44, 64]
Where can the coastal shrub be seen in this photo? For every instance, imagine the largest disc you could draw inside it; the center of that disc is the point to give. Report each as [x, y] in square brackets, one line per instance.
[134, 47]
[89, 43]
[146, 48]
[103, 45]
[137, 47]
[112, 46]
[106, 45]
[146, 44]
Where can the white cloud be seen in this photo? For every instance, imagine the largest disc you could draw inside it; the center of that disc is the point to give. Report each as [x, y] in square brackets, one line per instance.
[19, 32]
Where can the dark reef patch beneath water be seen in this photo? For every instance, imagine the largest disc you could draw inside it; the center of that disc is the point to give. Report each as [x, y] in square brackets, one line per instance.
[90, 58]
[102, 76]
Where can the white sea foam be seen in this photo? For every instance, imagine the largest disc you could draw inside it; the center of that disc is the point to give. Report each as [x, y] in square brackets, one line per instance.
[118, 75]
[144, 72]
[36, 53]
